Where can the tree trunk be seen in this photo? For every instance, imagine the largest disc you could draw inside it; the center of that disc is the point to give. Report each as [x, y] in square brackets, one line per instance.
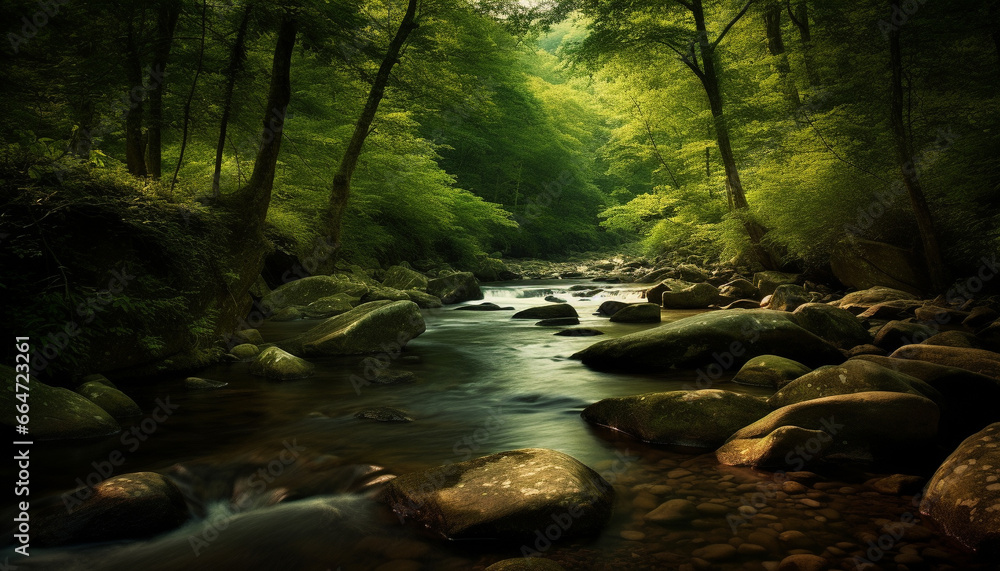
[134, 159]
[776, 47]
[734, 186]
[342, 179]
[904, 154]
[800, 17]
[236, 58]
[187, 104]
[256, 195]
[166, 22]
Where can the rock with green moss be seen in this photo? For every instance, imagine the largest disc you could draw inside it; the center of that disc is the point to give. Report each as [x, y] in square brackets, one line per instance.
[251, 336]
[769, 371]
[424, 300]
[278, 365]
[381, 293]
[767, 282]
[854, 376]
[55, 413]
[698, 296]
[787, 297]
[98, 378]
[330, 306]
[398, 277]
[287, 314]
[737, 335]
[509, 495]
[374, 327]
[702, 418]
[637, 313]
[774, 449]
[307, 290]
[384, 414]
[455, 288]
[198, 383]
[112, 400]
[552, 311]
[838, 326]
[490, 270]
[245, 351]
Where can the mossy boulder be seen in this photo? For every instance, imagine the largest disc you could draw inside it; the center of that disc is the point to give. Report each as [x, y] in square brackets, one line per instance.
[768, 281]
[380, 293]
[838, 326]
[784, 447]
[245, 351]
[278, 365]
[975, 360]
[329, 306]
[963, 497]
[637, 313]
[398, 277]
[423, 299]
[698, 296]
[369, 328]
[740, 289]
[55, 413]
[787, 297]
[859, 301]
[509, 495]
[769, 371]
[310, 289]
[739, 335]
[112, 400]
[702, 418]
[854, 376]
[455, 288]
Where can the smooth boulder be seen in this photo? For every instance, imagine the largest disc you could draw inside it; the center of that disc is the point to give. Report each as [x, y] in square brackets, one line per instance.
[701, 418]
[854, 376]
[975, 360]
[112, 400]
[861, 264]
[506, 495]
[127, 507]
[838, 326]
[546, 312]
[455, 288]
[609, 308]
[787, 297]
[769, 371]
[698, 296]
[368, 328]
[767, 282]
[736, 336]
[424, 300]
[310, 289]
[329, 306]
[398, 277]
[637, 313]
[55, 413]
[778, 448]
[278, 365]
[895, 334]
[859, 301]
[739, 289]
[963, 497]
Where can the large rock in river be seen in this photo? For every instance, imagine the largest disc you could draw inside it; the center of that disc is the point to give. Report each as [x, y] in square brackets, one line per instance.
[787, 297]
[54, 412]
[975, 360]
[310, 289]
[862, 264]
[769, 371]
[131, 506]
[638, 313]
[368, 328]
[398, 277]
[698, 296]
[854, 376]
[112, 400]
[278, 365]
[963, 497]
[838, 326]
[860, 301]
[455, 288]
[703, 418]
[506, 495]
[547, 312]
[856, 425]
[735, 336]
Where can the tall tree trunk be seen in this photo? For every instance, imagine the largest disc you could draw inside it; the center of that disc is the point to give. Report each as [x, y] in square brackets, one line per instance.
[166, 23]
[256, 195]
[734, 186]
[342, 179]
[187, 104]
[800, 17]
[904, 154]
[776, 47]
[236, 58]
[134, 159]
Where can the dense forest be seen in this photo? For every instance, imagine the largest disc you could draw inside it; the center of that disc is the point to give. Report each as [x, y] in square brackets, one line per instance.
[171, 170]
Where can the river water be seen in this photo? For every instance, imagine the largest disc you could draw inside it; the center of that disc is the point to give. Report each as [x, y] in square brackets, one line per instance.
[485, 383]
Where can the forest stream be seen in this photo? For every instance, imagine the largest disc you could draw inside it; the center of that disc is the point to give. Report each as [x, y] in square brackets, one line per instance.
[283, 476]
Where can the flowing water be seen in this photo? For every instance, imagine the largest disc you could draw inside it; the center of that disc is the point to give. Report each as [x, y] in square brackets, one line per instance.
[282, 476]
